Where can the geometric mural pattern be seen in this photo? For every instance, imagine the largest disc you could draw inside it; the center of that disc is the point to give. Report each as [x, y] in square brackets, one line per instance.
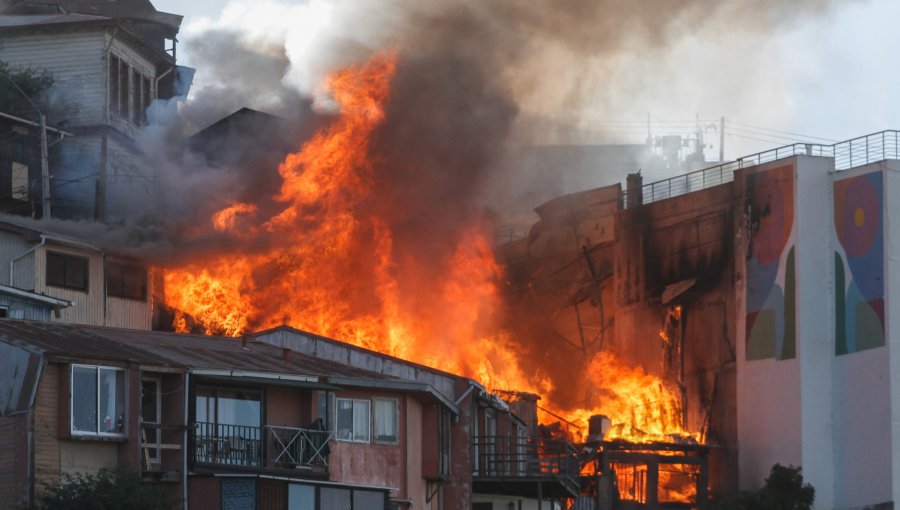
[859, 263]
[771, 268]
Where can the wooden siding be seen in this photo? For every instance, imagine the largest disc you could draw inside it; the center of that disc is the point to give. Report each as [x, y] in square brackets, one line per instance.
[13, 245]
[11, 458]
[75, 165]
[46, 426]
[91, 307]
[76, 60]
[130, 186]
[87, 306]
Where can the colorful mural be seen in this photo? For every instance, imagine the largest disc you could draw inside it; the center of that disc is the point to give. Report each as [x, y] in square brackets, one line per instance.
[770, 269]
[859, 263]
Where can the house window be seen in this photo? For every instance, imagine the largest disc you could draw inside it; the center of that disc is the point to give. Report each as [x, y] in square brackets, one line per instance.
[151, 409]
[98, 401]
[228, 426]
[352, 423]
[386, 420]
[113, 83]
[130, 92]
[67, 271]
[126, 281]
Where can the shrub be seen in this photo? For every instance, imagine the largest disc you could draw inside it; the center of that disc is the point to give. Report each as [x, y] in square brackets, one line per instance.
[106, 490]
[784, 490]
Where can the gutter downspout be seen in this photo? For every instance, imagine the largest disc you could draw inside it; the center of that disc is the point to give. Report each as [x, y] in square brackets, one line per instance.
[184, 456]
[26, 252]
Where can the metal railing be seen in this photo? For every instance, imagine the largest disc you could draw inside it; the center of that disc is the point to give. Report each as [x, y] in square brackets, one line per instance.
[297, 447]
[236, 445]
[514, 456]
[847, 154]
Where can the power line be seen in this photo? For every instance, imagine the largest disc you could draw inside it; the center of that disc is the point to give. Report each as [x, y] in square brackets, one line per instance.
[783, 132]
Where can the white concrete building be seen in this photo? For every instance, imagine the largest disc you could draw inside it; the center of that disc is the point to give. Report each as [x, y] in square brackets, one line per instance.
[818, 349]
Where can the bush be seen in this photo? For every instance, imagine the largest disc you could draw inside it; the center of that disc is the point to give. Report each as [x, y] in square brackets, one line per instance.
[106, 490]
[784, 490]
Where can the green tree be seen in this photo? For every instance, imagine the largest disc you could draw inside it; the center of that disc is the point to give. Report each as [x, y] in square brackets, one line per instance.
[784, 490]
[32, 83]
[106, 490]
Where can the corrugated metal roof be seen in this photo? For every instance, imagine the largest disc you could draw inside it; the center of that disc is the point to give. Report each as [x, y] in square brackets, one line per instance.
[156, 348]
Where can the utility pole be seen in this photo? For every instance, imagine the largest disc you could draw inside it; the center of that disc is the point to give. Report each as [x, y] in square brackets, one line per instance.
[45, 171]
[722, 139]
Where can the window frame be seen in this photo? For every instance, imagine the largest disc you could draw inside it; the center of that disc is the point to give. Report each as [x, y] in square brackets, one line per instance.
[97, 370]
[63, 255]
[154, 455]
[122, 268]
[353, 401]
[396, 407]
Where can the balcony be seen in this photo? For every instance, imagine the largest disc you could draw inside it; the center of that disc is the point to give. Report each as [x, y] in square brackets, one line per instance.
[299, 448]
[524, 466]
[263, 447]
[232, 445]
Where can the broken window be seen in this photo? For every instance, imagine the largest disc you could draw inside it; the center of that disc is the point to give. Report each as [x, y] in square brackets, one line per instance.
[98, 400]
[67, 271]
[352, 421]
[126, 280]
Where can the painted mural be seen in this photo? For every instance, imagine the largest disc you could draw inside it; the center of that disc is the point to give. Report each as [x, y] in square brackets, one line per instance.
[859, 263]
[770, 270]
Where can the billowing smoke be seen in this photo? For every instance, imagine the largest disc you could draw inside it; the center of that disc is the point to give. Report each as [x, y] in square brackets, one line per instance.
[475, 82]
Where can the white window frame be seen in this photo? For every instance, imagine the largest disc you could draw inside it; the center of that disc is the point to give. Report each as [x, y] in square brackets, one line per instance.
[396, 403]
[82, 433]
[352, 431]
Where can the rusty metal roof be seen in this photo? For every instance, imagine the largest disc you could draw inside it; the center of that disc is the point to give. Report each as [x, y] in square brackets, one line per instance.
[154, 348]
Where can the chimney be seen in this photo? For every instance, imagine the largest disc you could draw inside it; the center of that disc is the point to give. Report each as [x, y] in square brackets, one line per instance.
[633, 194]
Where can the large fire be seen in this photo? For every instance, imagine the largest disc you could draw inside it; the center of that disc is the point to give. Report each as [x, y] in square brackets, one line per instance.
[331, 268]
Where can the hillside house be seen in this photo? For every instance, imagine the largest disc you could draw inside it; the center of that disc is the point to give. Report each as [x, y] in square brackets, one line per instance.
[109, 61]
[50, 276]
[240, 423]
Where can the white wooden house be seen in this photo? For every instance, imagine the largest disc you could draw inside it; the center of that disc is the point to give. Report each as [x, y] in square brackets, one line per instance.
[108, 65]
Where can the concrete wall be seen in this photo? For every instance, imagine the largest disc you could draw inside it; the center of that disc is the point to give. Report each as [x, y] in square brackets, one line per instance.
[861, 376]
[892, 311]
[768, 388]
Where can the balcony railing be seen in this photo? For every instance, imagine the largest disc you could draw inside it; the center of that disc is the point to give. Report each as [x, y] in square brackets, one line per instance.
[525, 457]
[235, 445]
[299, 448]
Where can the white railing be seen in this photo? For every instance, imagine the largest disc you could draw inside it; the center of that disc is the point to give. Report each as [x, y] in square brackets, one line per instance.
[847, 154]
[299, 447]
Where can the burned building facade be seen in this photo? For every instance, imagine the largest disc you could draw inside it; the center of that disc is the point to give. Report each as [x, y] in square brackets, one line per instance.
[759, 290]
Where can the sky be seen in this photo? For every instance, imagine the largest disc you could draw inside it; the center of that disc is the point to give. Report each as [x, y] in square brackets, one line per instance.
[823, 78]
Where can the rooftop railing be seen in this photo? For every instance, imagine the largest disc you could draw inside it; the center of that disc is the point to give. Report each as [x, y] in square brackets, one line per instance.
[848, 154]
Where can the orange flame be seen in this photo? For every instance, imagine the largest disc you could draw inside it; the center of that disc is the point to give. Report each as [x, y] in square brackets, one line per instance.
[641, 406]
[331, 268]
